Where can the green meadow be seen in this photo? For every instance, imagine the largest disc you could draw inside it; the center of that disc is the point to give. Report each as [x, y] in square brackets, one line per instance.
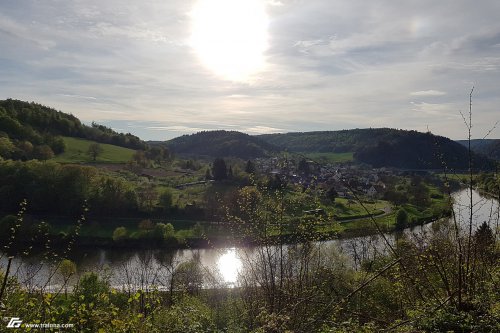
[76, 152]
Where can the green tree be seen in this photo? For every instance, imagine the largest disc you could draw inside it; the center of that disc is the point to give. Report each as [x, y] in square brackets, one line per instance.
[94, 150]
[6, 147]
[67, 269]
[119, 234]
[57, 144]
[219, 169]
[401, 219]
[164, 231]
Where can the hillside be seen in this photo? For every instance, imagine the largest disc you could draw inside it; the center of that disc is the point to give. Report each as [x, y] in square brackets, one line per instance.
[382, 147]
[38, 124]
[221, 144]
[76, 152]
[487, 147]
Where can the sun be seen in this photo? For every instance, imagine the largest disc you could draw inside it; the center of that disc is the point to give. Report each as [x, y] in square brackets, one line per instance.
[230, 36]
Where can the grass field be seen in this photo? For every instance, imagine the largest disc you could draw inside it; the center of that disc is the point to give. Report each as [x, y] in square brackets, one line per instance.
[76, 152]
[331, 157]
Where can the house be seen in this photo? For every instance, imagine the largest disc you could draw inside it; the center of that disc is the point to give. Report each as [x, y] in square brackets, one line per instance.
[371, 192]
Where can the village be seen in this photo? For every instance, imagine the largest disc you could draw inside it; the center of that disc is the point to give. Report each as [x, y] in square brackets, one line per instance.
[346, 179]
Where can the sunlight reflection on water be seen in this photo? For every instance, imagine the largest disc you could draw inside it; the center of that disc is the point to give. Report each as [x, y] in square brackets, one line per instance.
[229, 265]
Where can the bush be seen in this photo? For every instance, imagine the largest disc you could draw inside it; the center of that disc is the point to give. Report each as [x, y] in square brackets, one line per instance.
[146, 225]
[91, 287]
[120, 234]
[190, 315]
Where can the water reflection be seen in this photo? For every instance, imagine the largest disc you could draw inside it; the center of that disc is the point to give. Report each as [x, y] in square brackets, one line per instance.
[229, 265]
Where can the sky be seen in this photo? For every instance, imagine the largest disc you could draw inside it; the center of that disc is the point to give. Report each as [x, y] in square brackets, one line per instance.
[162, 68]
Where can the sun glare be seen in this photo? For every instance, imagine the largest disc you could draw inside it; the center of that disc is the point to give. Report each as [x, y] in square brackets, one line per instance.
[230, 36]
[229, 265]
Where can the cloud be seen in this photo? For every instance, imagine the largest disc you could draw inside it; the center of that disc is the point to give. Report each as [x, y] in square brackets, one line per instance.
[263, 130]
[428, 93]
[330, 65]
[175, 128]
[79, 96]
[274, 3]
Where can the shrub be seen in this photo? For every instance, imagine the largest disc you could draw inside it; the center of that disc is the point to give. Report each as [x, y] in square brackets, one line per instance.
[120, 234]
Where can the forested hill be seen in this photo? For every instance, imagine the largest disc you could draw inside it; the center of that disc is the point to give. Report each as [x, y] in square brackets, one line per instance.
[487, 147]
[40, 125]
[221, 144]
[383, 147]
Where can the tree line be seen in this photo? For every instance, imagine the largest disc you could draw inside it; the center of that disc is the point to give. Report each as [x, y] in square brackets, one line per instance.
[55, 189]
[30, 130]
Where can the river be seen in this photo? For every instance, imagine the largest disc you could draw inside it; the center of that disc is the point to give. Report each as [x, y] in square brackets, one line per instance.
[135, 269]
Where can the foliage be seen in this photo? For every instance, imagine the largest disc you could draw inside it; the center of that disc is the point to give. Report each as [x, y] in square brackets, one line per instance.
[486, 147]
[381, 147]
[401, 219]
[39, 124]
[189, 315]
[94, 150]
[62, 189]
[250, 167]
[67, 268]
[219, 169]
[119, 234]
[166, 200]
[221, 143]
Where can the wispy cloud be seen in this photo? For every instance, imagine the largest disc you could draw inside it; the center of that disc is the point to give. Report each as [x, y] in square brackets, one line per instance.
[263, 130]
[174, 128]
[428, 93]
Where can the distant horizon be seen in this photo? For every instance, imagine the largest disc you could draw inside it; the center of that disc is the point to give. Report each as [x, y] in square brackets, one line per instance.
[173, 136]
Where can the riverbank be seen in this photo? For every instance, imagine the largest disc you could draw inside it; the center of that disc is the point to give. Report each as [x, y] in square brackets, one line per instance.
[345, 229]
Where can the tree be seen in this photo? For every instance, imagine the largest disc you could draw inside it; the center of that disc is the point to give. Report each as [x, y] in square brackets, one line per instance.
[401, 219]
[6, 147]
[140, 158]
[119, 234]
[94, 150]
[26, 149]
[332, 194]
[219, 169]
[208, 175]
[147, 196]
[250, 167]
[43, 152]
[164, 231]
[67, 269]
[57, 144]
[303, 167]
[166, 200]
